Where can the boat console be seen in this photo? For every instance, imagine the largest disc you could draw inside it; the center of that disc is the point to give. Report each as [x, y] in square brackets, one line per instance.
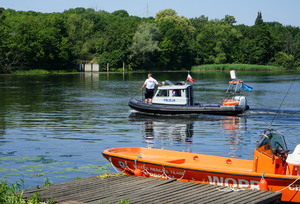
[271, 153]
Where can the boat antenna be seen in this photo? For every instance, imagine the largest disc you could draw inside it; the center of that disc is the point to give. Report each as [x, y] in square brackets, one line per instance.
[281, 103]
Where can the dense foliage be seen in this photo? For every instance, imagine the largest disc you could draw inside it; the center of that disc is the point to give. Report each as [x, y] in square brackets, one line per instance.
[13, 194]
[55, 41]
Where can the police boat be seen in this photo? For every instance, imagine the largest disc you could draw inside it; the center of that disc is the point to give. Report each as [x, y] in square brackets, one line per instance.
[178, 98]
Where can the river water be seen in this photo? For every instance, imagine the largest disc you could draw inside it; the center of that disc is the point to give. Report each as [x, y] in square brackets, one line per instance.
[56, 126]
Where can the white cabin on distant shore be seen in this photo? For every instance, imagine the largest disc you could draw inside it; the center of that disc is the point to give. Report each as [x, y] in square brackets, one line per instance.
[89, 67]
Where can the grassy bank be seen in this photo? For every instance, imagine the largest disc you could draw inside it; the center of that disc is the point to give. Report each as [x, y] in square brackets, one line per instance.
[42, 71]
[205, 67]
[13, 194]
[239, 67]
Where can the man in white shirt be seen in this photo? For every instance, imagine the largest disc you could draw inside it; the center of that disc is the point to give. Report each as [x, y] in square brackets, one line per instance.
[150, 84]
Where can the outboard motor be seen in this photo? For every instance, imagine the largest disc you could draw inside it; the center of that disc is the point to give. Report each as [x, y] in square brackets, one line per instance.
[242, 102]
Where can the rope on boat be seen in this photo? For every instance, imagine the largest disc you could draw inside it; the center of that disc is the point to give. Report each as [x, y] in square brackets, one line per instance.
[164, 173]
[182, 175]
[132, 170]
[145, 169]
[115, 168]
[289, 185]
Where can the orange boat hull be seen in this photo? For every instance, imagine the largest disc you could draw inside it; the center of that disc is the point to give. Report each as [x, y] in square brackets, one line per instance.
[191, 167]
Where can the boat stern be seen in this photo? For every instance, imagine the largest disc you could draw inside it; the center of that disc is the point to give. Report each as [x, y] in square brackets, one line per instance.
[242, 102]
[237, 101]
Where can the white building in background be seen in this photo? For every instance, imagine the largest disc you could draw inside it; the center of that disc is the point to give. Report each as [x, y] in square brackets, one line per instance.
[89, 67]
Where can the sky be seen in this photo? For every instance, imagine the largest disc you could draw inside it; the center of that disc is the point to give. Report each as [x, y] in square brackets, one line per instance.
[245, 12]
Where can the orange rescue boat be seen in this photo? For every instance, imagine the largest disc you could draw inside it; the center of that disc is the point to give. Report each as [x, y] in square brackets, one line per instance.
[271, 169]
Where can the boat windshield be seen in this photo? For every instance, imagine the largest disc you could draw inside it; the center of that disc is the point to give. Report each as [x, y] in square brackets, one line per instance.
[162, 92]
[273, 141]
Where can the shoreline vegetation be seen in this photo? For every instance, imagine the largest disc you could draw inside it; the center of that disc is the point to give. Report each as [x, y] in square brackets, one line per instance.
[197, 68]
[43, 72]
[13, 193]
[241, 67]
[166, 42]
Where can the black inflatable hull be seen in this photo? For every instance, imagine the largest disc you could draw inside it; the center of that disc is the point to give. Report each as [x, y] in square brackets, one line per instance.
[213, 109]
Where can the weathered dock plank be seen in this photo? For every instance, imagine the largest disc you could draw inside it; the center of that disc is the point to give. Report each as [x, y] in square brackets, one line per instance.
[95, 190]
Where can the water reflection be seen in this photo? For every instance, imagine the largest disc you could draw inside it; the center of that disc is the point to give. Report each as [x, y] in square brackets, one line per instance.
[234, 128]
[179, 133]
[160, 132]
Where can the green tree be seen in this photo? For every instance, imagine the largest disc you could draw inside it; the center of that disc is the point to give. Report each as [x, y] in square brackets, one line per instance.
[177, 33]
[2, 41]
[216, 42]
[80, 34]
[296, 48]
[116, 37]
[258, 45]
[259, 19]
[262, 50]
[229, 20]
[120, 13]
[170, 15]
[31, 40]
[284, 60]
[34, 40]
[145, 45]
[199, 22]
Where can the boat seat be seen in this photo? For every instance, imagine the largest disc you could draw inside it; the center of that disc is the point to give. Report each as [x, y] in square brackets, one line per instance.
[294, 158]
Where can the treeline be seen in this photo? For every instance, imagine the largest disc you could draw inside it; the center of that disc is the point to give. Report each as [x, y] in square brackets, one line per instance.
[55, 41]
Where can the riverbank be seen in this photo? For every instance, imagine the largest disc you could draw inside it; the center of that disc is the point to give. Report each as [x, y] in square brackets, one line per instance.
[240, 67]
[206, 67]
[13, 193]
[42, 71]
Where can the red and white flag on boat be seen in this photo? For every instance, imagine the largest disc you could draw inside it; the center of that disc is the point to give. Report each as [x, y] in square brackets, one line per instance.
[189, 78]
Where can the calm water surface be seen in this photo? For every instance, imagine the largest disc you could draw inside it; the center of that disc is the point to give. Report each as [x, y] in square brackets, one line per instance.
[57, 126]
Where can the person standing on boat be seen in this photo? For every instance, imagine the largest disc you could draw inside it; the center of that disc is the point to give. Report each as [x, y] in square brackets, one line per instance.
[150, 84]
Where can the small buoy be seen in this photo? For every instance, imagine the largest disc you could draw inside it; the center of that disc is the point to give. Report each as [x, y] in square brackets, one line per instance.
[138, 172]
[263, 184]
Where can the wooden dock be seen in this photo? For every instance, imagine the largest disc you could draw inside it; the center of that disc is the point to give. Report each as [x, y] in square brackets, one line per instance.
[132, 189]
